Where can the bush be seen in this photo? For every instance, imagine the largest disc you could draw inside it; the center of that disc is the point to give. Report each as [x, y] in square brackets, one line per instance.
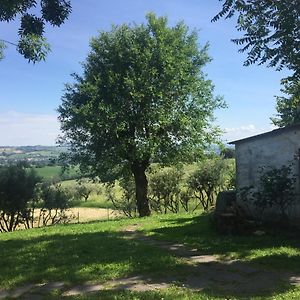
[125, 200]
[165, 190]
[276, 188]
[54, 202]
[17, 186]
[84, 188]
[211, 177]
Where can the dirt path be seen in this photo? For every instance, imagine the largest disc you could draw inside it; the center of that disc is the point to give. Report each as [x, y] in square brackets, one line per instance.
[227, 277]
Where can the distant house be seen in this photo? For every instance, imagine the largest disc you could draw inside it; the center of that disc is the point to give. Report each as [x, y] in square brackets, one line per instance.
[271, 149]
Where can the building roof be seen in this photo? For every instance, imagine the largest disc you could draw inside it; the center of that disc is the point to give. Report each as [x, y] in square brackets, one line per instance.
[267, 134]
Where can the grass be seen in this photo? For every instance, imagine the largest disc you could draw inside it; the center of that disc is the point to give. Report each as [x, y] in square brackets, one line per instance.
[98, 252]
[278, 252]
[96, 199]
[75, 254]
[55, 172]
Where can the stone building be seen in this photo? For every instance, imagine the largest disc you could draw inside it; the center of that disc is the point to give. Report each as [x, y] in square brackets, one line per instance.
[277, 148]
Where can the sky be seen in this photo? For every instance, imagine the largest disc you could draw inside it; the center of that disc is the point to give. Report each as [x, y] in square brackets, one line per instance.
[31, 93]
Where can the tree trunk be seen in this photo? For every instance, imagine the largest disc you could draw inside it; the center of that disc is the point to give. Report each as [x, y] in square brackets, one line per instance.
[141, 188]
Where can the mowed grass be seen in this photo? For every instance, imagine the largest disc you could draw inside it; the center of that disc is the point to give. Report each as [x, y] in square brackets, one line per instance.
[278, 252]
[98, 252]
[76, 254]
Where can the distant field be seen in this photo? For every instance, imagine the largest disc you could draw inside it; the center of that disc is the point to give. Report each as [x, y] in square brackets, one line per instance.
[52, 172]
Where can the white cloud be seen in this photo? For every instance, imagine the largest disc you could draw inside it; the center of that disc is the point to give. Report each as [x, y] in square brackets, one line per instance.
[19, 129]
[236, 133]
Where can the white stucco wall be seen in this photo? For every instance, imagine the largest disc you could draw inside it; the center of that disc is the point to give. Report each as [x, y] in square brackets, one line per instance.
[273, 150]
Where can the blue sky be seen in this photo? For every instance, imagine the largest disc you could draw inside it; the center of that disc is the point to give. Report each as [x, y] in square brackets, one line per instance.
[30, 94]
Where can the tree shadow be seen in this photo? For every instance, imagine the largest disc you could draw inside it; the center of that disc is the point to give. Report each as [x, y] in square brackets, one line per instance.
[77, 258]
[94, 255]
[199, 232]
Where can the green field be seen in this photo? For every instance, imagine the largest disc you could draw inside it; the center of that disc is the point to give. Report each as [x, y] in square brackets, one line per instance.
[97, 252]
[55, 172]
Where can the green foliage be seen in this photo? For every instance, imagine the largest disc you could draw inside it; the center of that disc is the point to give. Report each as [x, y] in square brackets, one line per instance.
[33, 47]
[54, 202]
[276, 189]
[165, 190]
[227, 153]
[32, 44]
[143, 97]
[84, 188]
[17, 186]
[2, 47]
[122, 196]
[271, 29]
[211, 177]
[288, 108]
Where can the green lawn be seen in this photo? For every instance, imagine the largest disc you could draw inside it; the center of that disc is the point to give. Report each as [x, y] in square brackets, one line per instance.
[278, 252]
[98, 252]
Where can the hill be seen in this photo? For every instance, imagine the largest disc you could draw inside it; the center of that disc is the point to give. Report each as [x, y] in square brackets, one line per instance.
[35, 155]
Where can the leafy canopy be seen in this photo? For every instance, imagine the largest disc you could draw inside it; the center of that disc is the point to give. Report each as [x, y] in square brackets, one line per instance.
[142, 97]
[272, 31]
[288, 107]
[32, 44]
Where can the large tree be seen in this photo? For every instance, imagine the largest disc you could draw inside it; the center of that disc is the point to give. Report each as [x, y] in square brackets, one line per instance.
[271, 31]
[142, 97]
[32, 44]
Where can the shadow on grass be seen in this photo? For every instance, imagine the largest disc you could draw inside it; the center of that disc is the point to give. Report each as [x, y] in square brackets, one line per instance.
[76, 258]
[279, 252]
[94, 255]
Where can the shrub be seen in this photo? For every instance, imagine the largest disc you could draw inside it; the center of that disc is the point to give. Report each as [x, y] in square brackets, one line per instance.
[211, 177]
[125, 200]
[54, 202]
[165, 190]
[84, 188]
[276, 188]
[17, 186]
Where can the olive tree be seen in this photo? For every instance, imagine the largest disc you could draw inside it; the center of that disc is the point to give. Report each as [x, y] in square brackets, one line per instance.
[17, 187]
[142, 97]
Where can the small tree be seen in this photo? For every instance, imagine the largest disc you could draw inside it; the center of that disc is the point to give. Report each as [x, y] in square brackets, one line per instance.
[143, 97]
[17, 186]
[84, 188]
[165, 190]
[207, 181]
[125, 200]
[54, 202]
